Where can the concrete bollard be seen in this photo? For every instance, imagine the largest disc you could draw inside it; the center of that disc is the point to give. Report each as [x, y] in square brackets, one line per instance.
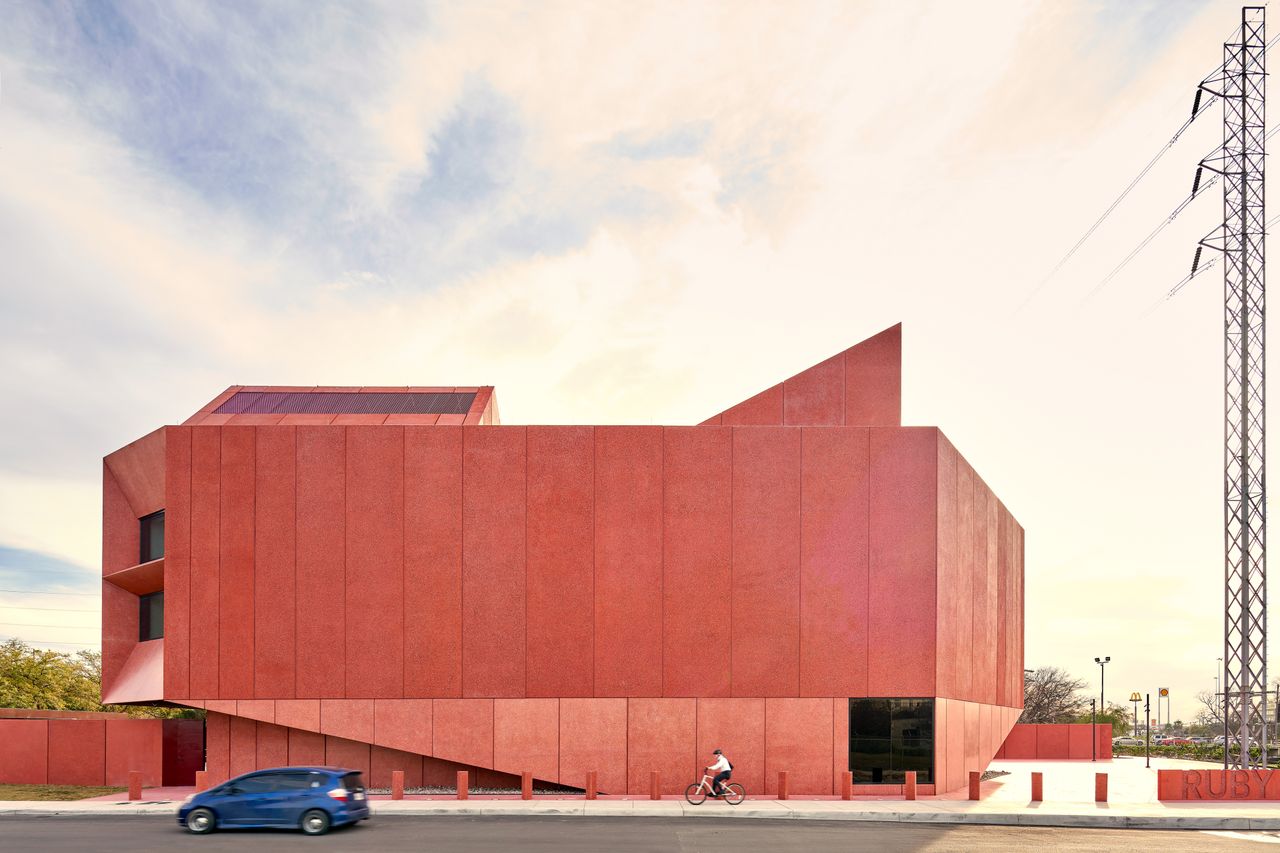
[909, 789]
[782, 784]
[591, 784]
[202, 780]
[1037, 787]
[135, 784]
[846, 785]
[462, 784]
[397, 784]
[526, 785]
[975, 785]
[655, 785]
[1100, 788]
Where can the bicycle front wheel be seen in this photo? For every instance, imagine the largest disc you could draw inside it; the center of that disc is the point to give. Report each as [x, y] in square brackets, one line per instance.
[695, 794]
[734, 793]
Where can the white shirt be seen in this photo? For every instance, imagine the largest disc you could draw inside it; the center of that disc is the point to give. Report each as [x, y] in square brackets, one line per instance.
[722, 763]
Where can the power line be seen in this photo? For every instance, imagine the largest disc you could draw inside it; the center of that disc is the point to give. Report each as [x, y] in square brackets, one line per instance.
[49, 642]
[51, 609]
[46, 592]
[46, 625]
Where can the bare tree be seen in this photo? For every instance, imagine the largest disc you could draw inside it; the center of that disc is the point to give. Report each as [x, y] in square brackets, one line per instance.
[1052, 695]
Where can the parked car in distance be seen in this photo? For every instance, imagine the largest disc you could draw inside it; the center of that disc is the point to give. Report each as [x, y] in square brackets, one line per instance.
[1174, 740]
[308, 798]
[1126, 740]
[1199, 740]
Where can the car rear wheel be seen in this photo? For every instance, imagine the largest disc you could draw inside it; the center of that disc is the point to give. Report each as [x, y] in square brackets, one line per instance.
[315, 822]
[200, 821]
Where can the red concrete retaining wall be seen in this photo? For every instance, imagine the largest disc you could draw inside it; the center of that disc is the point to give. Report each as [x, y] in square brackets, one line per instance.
[64, 751]
[1219, 785]
[1056, 741]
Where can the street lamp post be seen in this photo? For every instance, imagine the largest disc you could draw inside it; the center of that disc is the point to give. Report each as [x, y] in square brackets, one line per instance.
[1135, 697]
[1102, 664]
[1147, 711]
[1093, 716]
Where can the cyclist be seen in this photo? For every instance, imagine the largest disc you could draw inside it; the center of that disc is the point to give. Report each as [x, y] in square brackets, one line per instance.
[723, 768]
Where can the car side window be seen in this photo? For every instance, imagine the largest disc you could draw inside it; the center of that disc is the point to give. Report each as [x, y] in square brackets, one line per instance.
[258, 784]
[295, 781]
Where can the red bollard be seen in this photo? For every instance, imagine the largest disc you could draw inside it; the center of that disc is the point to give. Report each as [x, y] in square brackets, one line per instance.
[909, 789]
[782, 784]
[1037, 787]
[462, 784]
[526, 785]
[1100, 788]
[397, 784]
[975, 785]
[135, 784]
[591, 784]
[655, 785]
[202, 780]
[846, 785]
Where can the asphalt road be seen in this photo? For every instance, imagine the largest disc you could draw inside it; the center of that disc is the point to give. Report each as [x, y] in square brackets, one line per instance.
[679, 835]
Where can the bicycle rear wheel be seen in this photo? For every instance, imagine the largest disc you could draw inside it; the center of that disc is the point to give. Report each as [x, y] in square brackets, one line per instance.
[734, 793]
[695, 794]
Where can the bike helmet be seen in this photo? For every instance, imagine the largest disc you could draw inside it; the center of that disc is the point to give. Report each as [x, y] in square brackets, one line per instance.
[717, 752]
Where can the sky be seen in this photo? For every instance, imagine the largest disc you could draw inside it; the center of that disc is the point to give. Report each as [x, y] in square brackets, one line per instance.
[632, 213]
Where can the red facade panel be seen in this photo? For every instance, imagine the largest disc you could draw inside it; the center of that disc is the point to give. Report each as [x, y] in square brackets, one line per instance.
[347, 718]
[593, 733]
[24, 751]
[77, 752]
[493, 554]
[526, 737]
[903, 536]
[433, 561]
[816, 396]
[206, 475]
[275, 513]
[243, 734]
[348, 754]
[120, 530]
[798, 734]
[177, 562]
[962, 590]
[662, 735]
[835, 491]
[272, 745]
[737, 727]
[697, 542]
[462, 730]
[298, 713]
[561, 553]
[134, 745]
[306, 748]
[375, 562]
[235, 605]
[403, 724]
[766, 561]
[217, 747]
[764, 409]
[383, 761]
[628, 561]
[320, 567]
[873, 380]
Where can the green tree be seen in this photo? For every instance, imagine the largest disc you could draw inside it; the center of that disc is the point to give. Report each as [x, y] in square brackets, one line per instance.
[61, 681]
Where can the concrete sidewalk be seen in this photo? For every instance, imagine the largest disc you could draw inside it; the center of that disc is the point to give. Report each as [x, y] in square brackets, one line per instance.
[1068, 789]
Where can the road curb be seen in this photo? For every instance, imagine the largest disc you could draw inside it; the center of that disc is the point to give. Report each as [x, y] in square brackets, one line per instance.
[775, 811]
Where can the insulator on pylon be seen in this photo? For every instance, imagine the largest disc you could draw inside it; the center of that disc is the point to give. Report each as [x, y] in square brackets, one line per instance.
[1195, 106]
[1195, 185]
[1196, 261]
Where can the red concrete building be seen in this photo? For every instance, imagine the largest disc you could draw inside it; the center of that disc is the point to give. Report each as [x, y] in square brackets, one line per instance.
[386, 578]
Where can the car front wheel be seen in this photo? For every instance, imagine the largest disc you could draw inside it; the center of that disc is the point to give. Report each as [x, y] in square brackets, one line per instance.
[315, 822]
[200, 821]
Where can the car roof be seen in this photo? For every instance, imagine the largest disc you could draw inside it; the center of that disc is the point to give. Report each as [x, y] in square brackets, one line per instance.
[302, 768]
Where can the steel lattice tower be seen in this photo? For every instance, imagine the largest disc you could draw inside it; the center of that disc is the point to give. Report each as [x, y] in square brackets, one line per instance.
[1241, 85]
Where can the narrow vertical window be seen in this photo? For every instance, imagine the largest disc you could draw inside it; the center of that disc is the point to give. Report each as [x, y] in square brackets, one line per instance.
[152, 537]
[151, 616]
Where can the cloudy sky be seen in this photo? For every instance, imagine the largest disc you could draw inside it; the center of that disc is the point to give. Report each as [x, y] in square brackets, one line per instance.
[632, 213]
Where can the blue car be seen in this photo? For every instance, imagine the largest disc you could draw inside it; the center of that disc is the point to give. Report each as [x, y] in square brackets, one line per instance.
[308, 798]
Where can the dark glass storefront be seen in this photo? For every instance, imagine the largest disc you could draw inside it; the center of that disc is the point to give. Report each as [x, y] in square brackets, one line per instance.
[888, 737]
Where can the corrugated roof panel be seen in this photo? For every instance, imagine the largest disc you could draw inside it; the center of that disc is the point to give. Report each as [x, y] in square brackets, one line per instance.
[346, 403]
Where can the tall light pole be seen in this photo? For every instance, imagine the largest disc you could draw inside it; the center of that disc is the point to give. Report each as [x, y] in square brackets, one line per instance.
[1135, 697]
[1102, 664]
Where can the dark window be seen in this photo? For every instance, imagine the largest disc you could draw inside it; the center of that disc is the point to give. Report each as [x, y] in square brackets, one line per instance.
[353, 782]
[296, 781]
[259, 784]
[888, 737]
[152, 538]
[151, 616]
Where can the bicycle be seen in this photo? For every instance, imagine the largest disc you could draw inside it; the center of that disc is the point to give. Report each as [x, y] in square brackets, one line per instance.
[698, 792]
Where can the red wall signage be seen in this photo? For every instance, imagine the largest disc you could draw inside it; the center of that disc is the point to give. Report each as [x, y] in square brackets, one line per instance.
[1219, 785]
